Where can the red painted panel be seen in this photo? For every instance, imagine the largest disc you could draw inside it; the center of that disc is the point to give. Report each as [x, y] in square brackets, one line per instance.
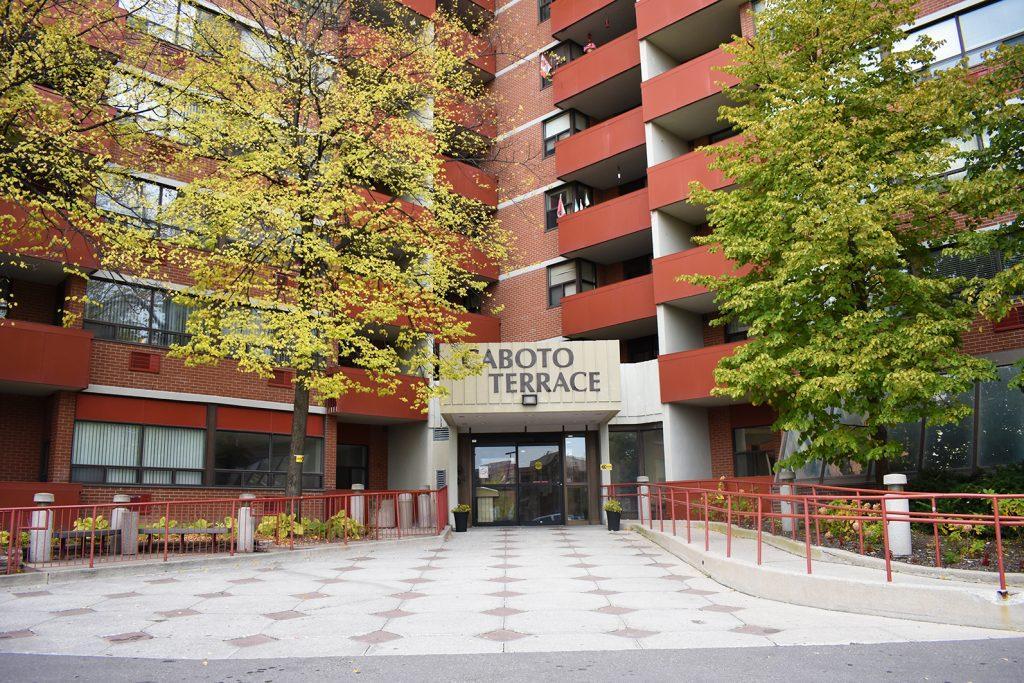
[747, 415]
[33, 353]
[607, 61]
[264, 421]
[622, 302]
[689, 82]
[148, 411]
[669, 181]
[424, 7]
[60, 243]
[482, 328]
[700, 260]
[597, 143]
[654, 15]
[398, 406]
[18, 494]
[471, 182]
[690, 375]
[604, 222]
[565, 13]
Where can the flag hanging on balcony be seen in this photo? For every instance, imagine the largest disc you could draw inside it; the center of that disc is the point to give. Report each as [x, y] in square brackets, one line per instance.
[561, 207]
[545, 66]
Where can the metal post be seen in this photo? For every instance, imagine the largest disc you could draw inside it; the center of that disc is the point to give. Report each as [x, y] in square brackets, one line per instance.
[999, 547]
[728, 525]
[759, 522]
[688, 538]
[807, 535]
[672, 507]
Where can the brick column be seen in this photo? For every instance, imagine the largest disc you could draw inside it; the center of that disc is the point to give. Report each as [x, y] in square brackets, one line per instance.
[62, 426]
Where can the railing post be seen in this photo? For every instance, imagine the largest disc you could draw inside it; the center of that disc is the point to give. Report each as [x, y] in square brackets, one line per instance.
[728, 525]
[672, 507]
[167, 528]
[807, 534]
[40, 547]
[707, 524]
[860, 523]
[759, 522]
[885, 545]
[999, 547]
[935, 533]
[688, 538]
[92, 539]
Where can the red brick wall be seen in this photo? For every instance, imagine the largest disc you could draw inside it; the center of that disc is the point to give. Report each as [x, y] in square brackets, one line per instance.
[23, 429]
[33, 302]
[62, 428]
[722, 421]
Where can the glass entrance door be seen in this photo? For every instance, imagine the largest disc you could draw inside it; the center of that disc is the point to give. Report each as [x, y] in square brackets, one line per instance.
[517, 483]
[540, 484]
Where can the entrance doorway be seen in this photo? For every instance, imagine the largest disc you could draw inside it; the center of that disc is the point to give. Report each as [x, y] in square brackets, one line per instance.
[518, 483]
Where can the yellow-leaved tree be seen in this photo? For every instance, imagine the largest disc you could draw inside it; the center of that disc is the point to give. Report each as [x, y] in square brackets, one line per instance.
[321, 230]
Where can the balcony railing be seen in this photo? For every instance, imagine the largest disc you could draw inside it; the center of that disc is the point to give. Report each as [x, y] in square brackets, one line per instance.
[615, 67]
[689, 376]
[610, 221]
[669, 182]
[698, 261]
[35, 356]
[397, 407]
[600, 143]
[600, 311]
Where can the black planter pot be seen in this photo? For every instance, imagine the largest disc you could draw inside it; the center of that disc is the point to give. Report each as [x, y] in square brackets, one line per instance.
[461, 520]
[613, 520]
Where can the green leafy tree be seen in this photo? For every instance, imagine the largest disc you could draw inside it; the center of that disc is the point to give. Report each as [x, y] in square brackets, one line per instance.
[840, 190]
[323, 223]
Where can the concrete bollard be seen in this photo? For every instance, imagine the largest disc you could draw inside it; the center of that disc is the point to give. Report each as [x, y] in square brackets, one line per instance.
[386, 512]
[405, 510]
[645, 498]
[425, 509]
[40, 545]
[127, 522]
[786, 488]
[246, 525]
[899, 532]
[357, 509]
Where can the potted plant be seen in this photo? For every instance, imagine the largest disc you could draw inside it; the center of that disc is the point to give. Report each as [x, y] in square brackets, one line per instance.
[461, 512]
[613, 510]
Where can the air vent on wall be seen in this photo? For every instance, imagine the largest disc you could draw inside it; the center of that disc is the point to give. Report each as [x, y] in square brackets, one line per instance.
[281, 378]
[441, 434]
[140, 361]
[441, 477]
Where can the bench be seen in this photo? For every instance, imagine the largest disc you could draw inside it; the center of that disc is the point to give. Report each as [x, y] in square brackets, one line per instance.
[106, 537]
[180, 532]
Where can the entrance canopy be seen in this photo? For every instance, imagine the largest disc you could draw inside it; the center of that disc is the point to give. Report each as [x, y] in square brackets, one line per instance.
[545, 386]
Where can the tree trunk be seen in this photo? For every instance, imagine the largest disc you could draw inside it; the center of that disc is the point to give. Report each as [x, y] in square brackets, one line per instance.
[300, 415]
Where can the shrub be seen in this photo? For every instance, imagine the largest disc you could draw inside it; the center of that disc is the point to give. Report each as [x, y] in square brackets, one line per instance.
[341, 525]
[461, 507]
[279, 526]
[90, 523]
[612, 505]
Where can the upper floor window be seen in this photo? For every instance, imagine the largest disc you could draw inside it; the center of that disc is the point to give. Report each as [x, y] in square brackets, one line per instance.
[735, 331]
[568, 198]
[133, 313]
[972, 33]
[138, 198]
[553, 59]
[640, 349]
[985, 266]
[568, 278]
[169, 20]
[562, 126]
[544, 9]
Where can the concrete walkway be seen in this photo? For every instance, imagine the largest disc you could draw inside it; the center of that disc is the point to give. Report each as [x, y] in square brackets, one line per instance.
[487, 591]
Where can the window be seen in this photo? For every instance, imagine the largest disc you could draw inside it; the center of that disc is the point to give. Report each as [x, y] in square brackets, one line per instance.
[5, 297]
[568, 278]
[568, 198]
[169, 20]
[133, 313]
[353, 465]
[972, 33]
[641, 349]
[250, 459]
[735, 331]
[137, 198]
[106, 453]
[637, 452]
[146, 101]
[754, 451]
[558, 56]
[544, 9]
[562, 126]
[637, 267]
[985, 266]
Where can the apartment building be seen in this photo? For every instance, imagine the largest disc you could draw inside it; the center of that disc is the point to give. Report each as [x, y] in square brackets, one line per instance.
[598, 362]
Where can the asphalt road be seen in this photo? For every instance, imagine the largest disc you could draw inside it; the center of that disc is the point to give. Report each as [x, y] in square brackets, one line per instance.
[975, 660]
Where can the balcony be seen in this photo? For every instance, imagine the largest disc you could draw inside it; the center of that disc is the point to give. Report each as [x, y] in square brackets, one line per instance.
[685, 101]
[669, 185]
[477, 263]
[689, 376]
[684, 29]
[56, 242]
[39, 359]
[608, 232]
[669, 290]
[623, 310]
[605, 20]
[470, 181]
[423, 7]
[371, 408]
[604, 82]
[483, 328]
[602, 156]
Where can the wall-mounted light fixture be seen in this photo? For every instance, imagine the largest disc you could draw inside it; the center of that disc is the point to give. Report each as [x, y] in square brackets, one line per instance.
[529, 399]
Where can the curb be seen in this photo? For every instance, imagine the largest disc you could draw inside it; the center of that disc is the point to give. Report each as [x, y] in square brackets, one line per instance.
[260, 559]
[964, 606]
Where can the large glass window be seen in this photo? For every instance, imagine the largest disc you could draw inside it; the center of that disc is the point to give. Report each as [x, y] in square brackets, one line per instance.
[250, 459]
[568, 278]
[1000, 421]
[138, 198]
[566, 199]
[972, 33]
[133, 313]
[353, 465]
[754, 450]
[107, 453]
[170, 20]
[577, 493]
[634, 453]
[560, 127]
[950, 446]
